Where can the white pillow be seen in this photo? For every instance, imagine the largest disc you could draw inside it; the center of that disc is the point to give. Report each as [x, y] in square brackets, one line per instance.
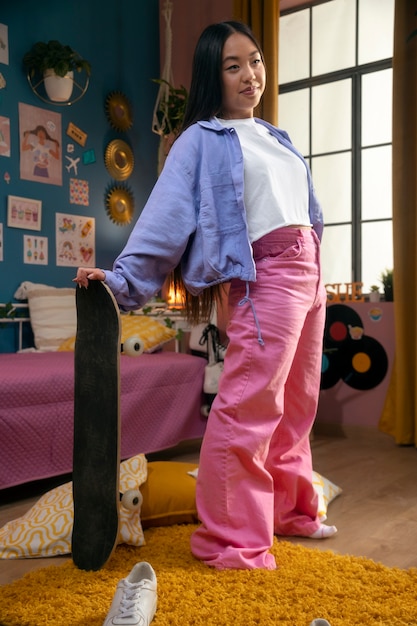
[22, 292]
[53, 316]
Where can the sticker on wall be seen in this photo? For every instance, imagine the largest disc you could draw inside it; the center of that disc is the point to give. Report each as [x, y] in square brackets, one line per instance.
[72, 164]
[77, 134]
[75, 240]
[35, 250]
[4, 44]
[375, 314]
[4, 136]
[40, 145]
[79, 192]
[89, 157]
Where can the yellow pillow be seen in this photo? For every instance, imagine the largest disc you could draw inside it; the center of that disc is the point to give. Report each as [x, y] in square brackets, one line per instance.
[149, 330]
[46, 529]
[168, 494]
[152, 333]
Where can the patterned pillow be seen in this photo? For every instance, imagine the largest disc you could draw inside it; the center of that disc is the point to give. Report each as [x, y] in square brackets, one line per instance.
[152, 333]
[149, 330]
[46, 529]
[326, 491]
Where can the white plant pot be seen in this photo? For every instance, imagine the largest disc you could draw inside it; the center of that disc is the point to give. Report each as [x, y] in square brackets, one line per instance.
[374, 296]
[58, 88]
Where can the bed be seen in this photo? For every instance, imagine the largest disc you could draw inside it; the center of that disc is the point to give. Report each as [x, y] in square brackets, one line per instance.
[161, 400]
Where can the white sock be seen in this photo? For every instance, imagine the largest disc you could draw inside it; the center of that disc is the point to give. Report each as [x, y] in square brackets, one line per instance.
[323, 531]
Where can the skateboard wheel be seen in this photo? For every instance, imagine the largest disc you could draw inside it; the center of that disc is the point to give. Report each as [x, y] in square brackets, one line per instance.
[132, 500]
[133, 346]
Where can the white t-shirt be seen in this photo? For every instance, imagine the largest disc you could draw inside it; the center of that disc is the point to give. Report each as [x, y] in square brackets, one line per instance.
[275, 179]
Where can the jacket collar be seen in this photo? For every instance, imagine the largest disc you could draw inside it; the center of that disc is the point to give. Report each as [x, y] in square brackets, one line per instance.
[214, 124]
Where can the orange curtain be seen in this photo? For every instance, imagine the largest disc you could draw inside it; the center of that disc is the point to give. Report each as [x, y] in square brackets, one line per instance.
[263, 18]
[399, 417]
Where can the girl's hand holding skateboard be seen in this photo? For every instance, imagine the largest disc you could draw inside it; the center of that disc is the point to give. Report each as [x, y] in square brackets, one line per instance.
[84, 274]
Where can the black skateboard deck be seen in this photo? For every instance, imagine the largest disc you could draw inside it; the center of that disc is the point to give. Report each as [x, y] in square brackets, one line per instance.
[96, 455]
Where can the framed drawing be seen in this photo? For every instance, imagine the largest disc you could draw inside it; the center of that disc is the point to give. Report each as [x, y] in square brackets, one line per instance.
[24, 213]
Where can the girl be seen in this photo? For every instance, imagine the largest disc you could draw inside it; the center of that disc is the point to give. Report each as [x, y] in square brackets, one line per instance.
[235, 203]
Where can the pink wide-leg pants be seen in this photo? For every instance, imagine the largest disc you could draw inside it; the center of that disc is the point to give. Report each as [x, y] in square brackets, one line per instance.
[255, 472]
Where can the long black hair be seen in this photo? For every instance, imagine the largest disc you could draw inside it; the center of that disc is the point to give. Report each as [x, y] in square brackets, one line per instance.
[205, 96]
[205, 100]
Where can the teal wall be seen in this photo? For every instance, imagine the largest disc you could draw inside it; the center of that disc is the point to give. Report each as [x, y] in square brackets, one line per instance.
[121, 41]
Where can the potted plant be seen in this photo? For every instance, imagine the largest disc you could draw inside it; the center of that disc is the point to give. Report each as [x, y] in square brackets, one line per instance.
[388, 283]
[374, 294]
[56, 63]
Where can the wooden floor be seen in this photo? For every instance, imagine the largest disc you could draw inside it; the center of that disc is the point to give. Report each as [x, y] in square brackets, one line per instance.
[376, 514]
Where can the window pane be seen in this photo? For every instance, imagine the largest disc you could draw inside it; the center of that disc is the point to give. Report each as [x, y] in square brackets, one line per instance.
[294, 117]
[331, 117]
[294, 43]
[333, 36]
[377, 108]
[377, 253]
[332, 177]
[377, 183]
[376, 30]
[336, 254]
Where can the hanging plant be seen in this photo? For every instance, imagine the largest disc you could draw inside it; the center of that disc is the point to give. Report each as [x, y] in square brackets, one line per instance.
[170, 112]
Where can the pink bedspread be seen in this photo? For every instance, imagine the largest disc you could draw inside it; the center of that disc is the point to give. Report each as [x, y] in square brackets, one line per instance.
[161, 398]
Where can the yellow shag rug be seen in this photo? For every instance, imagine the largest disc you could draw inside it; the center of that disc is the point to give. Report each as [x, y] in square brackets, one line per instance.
[309, 584]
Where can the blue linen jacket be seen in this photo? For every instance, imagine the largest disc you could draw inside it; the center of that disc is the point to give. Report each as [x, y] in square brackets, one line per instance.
[195, 215]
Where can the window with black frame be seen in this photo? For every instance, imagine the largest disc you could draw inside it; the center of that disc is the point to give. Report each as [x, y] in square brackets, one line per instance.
[335, 101]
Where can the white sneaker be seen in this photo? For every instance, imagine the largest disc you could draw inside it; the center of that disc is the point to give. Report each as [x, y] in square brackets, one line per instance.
[135, 600]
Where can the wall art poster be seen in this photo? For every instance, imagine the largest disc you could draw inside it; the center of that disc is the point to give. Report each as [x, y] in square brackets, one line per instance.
[75, 240]
[40, 145]
[4, 136]
[4, 44]
[35, 250]
[24, 213]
